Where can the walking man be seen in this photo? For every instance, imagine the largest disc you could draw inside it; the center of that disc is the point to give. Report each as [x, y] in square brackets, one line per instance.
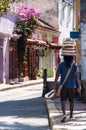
[68, 89]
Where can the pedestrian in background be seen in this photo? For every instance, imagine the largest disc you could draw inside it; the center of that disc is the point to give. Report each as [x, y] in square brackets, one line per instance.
[68, 89]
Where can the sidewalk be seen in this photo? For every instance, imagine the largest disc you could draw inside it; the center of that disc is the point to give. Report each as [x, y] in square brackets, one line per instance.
[55, 113]
[20, 84]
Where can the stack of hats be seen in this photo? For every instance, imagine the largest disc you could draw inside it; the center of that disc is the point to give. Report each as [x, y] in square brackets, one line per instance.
[68, 48]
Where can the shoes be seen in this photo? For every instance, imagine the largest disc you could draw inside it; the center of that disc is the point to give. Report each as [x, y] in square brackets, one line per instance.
[72, 118]
[63, 118]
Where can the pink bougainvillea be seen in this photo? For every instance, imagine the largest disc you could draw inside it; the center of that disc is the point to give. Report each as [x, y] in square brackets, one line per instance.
[24, 28]
[26, 13]
[28, 21]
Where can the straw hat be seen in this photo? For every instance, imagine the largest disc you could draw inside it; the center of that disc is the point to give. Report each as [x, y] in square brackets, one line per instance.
[68, 48]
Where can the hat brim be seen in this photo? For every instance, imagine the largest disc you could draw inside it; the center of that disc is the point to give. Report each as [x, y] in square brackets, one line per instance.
[67, 54]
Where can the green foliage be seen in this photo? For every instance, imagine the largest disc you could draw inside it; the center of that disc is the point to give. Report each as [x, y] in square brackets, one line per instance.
[21, 55]
[51, 73]
[4, 6]
[25, 27]
[29, 22]
[38, 73]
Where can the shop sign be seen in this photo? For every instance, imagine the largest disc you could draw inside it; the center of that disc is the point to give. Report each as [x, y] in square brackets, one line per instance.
[74, 35]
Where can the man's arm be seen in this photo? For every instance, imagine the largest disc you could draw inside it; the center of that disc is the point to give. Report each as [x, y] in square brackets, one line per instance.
[55, 81]
[78, 81]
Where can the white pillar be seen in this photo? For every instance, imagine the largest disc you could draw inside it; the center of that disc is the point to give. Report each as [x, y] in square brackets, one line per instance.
[5, 60]
[83, 51]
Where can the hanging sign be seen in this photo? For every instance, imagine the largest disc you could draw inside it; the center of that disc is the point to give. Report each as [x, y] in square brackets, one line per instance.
[74, 35]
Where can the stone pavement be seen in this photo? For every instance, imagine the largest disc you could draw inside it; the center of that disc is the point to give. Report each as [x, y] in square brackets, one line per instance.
[55, 113]
[54, 109]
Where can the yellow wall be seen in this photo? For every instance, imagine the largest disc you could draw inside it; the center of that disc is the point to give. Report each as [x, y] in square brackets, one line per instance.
[78, 45]
[77, 11]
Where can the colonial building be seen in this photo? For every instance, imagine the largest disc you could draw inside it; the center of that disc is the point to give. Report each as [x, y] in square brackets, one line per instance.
[42, 48]
[49, 13]
[41, 53]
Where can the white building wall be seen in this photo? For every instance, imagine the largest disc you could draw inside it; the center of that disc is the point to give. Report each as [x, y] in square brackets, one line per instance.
[65, 20]
[48, 10]
[7, 24]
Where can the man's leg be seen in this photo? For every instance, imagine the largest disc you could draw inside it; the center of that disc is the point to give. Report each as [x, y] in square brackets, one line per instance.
[63, 103]
[71, 109]
[71, 99]
[63, 106]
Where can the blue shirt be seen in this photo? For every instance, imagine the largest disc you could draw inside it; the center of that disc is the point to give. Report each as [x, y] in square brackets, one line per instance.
[62, 70]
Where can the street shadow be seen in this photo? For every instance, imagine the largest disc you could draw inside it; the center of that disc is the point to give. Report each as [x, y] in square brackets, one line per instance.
[34, 108]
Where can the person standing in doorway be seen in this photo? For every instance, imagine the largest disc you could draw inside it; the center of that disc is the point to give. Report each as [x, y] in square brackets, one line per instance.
[68, 89]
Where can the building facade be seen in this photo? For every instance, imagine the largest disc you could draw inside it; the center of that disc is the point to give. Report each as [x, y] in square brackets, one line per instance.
[43, 47]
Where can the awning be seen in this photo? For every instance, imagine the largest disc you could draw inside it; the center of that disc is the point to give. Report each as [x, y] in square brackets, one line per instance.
[37, 42]
[43, 43]
[55, 46]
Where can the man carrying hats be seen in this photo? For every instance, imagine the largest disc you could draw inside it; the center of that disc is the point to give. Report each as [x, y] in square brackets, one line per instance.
[68, 89]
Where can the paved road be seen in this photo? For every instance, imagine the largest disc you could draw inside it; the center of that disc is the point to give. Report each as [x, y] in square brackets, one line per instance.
[23, 109]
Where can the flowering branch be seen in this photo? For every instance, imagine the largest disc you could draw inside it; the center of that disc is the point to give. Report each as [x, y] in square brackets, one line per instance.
[26, 13]
[27, 25]
[24, 28]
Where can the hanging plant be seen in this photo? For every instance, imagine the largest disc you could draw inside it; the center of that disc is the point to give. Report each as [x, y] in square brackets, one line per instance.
[4, 6]
[24, 28]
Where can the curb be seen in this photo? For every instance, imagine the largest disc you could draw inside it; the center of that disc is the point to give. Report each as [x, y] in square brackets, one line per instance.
[53, 114]
[4, 87]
